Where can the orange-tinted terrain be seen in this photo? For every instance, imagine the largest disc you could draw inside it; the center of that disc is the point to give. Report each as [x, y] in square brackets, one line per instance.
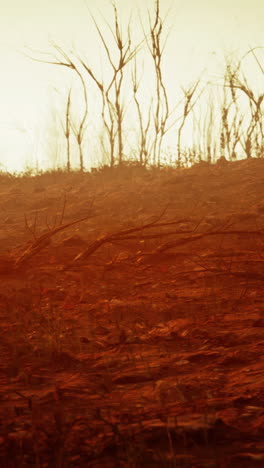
[132, 318]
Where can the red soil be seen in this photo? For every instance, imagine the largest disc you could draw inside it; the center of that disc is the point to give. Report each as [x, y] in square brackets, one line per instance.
[147, 350]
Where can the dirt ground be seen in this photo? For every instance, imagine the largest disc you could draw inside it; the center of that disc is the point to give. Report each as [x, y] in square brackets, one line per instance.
[133, 337]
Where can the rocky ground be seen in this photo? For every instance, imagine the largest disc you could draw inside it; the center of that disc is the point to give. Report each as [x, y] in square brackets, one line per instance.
[132, 316]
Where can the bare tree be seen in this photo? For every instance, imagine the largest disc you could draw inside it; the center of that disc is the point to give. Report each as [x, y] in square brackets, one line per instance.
[231, 117]
[252, 138]
[188, 106]
[111, 94]
[144, 127]
[161, 112]
[208, 132]
[63, 59]
[66, 130]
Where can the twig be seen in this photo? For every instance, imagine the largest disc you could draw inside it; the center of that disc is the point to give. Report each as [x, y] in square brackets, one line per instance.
[43, 241]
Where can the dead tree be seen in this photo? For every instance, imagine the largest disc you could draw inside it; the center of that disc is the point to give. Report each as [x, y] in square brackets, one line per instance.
[144, 127]
[63, 59]
[66, 130]
[161, 112]
[111, 94]
[252, 138]
[188, 106]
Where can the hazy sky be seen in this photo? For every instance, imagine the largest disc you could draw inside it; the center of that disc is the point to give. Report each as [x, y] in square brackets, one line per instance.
[202, 31]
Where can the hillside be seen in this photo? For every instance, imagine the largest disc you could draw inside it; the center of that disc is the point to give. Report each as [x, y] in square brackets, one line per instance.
[133, 337]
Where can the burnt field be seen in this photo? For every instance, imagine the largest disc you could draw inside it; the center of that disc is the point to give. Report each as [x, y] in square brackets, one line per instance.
[132, 318]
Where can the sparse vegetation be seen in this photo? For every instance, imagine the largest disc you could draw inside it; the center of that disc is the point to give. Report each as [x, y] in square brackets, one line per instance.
[230, 123]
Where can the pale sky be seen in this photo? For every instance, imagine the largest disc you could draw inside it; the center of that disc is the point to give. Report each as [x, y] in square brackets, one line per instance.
[201, 33]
